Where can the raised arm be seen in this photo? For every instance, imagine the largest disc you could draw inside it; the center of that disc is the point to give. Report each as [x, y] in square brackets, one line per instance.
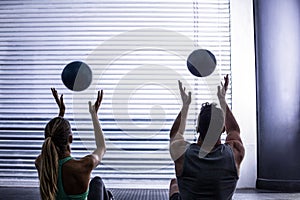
[231, 126]
[60, 102]
[180, 122]
[230, 122]
[177, 142]
[98, 153]
[61, 113]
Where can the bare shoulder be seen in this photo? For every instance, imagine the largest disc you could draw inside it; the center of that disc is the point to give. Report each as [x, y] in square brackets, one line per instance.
[177, 150]
[37, 162]
[80, 166]
[234, 140]
[87, 163]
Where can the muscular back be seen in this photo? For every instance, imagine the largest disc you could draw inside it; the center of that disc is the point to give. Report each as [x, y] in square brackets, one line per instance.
[76, 176]
[213, 176]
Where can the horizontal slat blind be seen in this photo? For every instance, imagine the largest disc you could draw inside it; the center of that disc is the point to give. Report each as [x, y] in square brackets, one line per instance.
[137, 51]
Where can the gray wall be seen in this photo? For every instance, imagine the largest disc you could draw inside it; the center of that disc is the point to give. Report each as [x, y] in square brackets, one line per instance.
[277, 29]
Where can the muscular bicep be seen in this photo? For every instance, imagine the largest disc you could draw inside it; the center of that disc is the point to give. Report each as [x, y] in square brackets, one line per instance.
[177, 146]
[234, 140]
[179, 165]
[177, 149]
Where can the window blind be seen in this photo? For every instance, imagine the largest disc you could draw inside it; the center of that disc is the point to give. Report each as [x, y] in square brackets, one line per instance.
[137, 51]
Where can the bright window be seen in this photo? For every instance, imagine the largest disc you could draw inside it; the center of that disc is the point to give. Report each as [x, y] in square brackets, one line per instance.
[137, 51]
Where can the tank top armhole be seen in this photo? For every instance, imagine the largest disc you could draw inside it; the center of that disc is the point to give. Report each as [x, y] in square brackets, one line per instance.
[233, 159]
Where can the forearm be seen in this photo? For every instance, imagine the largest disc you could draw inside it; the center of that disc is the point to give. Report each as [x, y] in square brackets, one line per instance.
[99, 137]
[230, 122]
[61, 113]
[180, 122]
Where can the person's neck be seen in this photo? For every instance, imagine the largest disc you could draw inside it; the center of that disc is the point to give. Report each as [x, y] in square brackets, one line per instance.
[67, 153]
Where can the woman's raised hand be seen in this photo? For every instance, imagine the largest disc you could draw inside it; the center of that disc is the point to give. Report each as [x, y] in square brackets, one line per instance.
[95, 107]
[60, 102]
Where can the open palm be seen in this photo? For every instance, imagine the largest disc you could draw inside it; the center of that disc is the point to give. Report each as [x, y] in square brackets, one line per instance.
[186, 98]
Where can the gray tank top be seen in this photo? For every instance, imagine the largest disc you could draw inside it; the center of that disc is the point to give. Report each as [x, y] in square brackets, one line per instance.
[212, 177]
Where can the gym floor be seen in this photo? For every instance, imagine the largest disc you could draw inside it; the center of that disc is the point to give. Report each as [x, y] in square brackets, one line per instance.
[27, 193]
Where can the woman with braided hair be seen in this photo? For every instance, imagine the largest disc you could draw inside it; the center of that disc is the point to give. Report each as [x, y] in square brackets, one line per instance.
[61, 176]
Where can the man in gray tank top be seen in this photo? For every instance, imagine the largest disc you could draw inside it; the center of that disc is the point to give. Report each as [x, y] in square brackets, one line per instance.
[207, 169]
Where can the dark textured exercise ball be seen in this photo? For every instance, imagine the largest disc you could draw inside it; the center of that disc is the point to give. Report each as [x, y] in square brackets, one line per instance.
[201, 63]
[77, 76]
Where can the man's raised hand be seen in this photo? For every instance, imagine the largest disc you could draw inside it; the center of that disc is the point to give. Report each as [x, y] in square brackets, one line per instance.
[186, 98]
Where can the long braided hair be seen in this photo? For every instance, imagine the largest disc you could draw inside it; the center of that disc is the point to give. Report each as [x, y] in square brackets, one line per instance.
[56, 142]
